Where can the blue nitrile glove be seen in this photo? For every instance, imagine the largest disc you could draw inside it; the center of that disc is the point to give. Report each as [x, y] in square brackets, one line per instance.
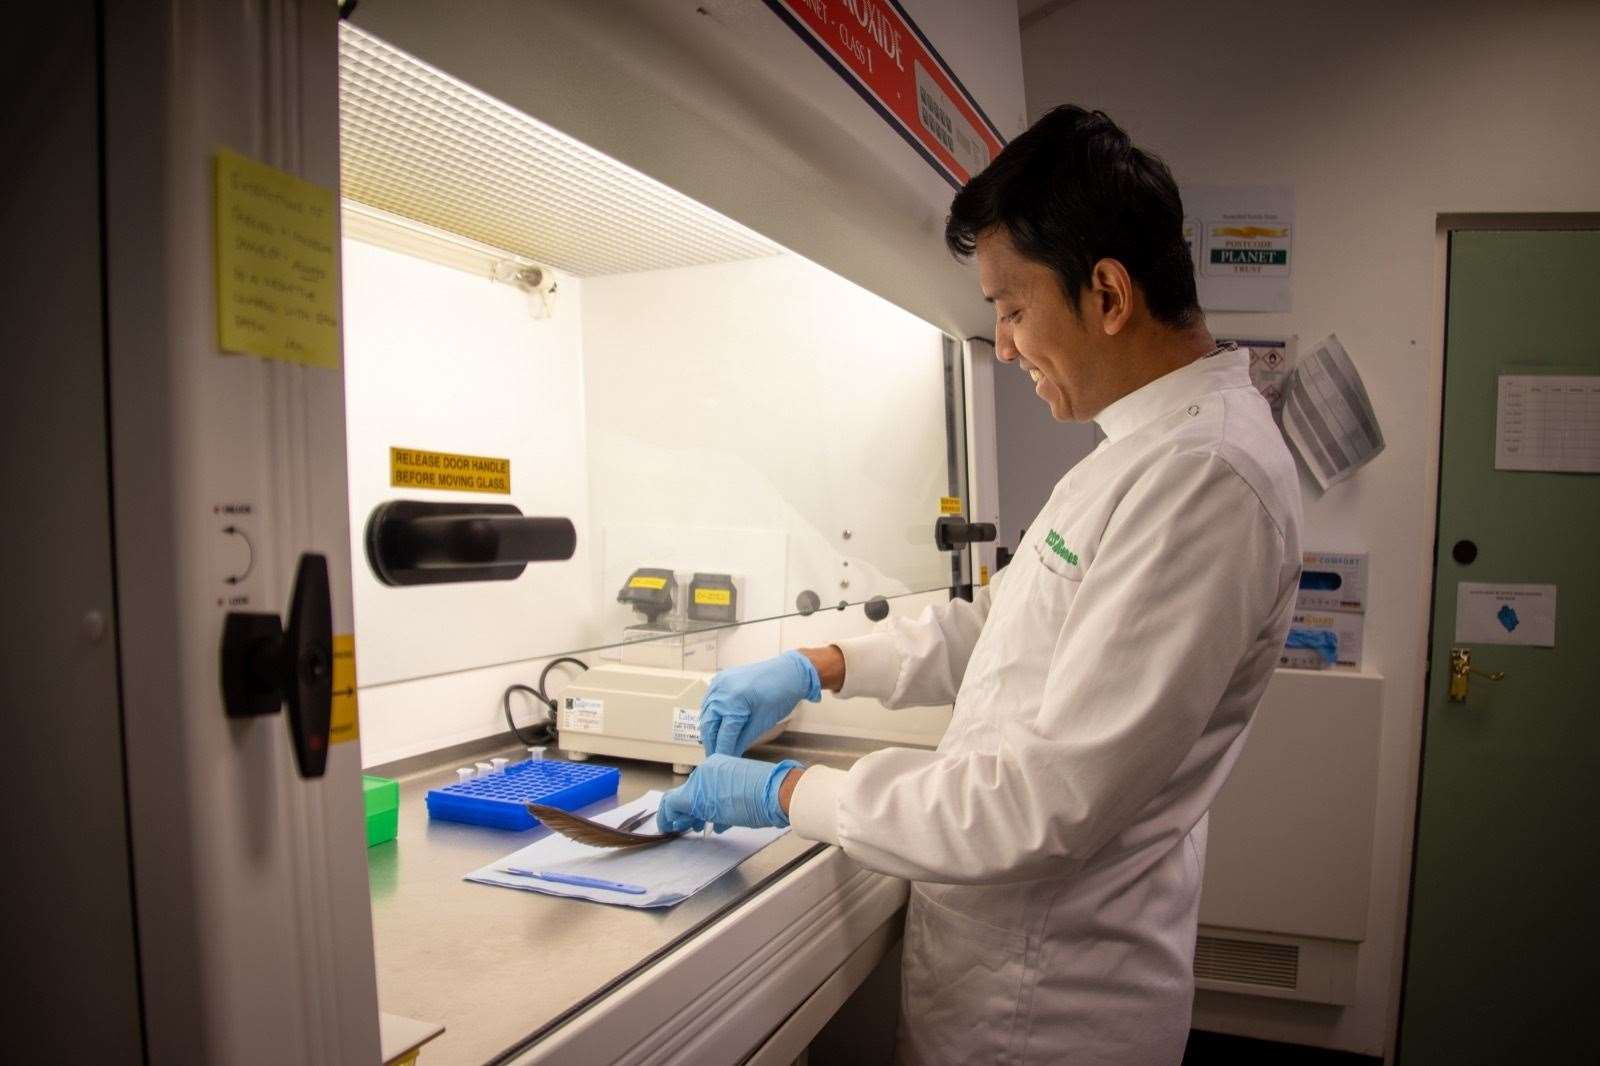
[744, 702]
[1325, 642]
[726, 790]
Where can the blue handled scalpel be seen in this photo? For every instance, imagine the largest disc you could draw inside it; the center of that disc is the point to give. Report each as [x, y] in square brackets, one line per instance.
[576, 880]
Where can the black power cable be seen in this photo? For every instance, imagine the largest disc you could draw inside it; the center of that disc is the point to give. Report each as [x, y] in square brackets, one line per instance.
[547, 728]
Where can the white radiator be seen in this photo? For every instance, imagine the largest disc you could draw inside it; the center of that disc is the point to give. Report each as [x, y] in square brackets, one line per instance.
[1289, 859]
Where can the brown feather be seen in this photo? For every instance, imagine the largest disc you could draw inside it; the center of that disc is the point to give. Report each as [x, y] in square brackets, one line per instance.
[593, 833]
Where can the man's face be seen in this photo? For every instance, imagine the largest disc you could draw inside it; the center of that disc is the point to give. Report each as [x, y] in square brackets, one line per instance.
[1035, 327]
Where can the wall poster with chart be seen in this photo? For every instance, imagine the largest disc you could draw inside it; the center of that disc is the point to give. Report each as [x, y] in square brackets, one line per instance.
[1328, 416]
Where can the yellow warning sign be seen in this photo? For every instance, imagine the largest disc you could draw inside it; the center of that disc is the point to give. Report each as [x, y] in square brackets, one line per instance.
[412, 468]
[949, 505]
[713, 597]
[1250, 232]
[648, 583]
[345, 723]
[277, 264]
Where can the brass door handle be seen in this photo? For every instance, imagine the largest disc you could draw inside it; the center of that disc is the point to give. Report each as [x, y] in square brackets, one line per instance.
[1461, 669]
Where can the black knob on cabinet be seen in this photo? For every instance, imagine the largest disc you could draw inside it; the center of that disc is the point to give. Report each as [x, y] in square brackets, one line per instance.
[1464, 552]
[265, 664]
[876, 608]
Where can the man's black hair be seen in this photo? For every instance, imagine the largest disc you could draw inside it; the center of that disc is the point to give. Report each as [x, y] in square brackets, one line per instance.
[1073, 190]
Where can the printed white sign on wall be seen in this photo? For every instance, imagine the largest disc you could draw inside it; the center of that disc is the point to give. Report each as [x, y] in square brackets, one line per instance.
[1505, 614]
[1191, 241]
[1271, 360]
[1241, 238]
[1548, 422]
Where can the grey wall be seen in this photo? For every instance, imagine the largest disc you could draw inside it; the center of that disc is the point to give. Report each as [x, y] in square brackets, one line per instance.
[1383, 116]
[1033, 449]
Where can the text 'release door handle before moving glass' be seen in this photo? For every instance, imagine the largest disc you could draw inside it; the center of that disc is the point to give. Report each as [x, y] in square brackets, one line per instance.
[1461, 669]
[265, 664]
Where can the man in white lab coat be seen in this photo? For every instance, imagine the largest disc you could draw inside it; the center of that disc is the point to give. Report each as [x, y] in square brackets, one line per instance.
[1103, 683]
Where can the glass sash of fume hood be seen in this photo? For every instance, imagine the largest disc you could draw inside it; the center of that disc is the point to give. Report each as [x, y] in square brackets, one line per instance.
[707, 409]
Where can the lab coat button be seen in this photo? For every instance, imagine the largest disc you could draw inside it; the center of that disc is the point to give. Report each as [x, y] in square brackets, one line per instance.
[1194, 409]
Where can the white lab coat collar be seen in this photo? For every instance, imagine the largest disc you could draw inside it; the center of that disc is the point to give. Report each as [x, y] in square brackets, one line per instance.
[1170, 391]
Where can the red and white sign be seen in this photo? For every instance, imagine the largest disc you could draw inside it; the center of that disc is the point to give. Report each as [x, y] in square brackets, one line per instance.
[884, 56]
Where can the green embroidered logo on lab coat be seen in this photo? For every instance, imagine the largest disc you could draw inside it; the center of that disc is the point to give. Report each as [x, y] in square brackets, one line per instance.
[1054, 542]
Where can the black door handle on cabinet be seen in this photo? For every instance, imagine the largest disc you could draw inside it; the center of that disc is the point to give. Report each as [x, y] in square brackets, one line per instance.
[412, 542]
[264, 664]
[951, 532]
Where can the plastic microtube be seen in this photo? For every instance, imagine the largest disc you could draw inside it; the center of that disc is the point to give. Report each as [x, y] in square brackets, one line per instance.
[535, 751]
[485, 768]
[464, 773]
[499, 764]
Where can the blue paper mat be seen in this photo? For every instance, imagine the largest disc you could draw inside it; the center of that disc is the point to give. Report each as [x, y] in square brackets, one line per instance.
[669, 873]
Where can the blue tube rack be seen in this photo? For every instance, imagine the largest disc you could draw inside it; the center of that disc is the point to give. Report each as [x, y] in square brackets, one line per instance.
[500, 800]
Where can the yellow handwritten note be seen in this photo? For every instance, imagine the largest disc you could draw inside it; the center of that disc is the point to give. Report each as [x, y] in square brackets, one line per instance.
[277, 264]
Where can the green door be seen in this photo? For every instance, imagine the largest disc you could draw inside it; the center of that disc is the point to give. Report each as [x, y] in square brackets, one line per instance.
[1503, 955]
